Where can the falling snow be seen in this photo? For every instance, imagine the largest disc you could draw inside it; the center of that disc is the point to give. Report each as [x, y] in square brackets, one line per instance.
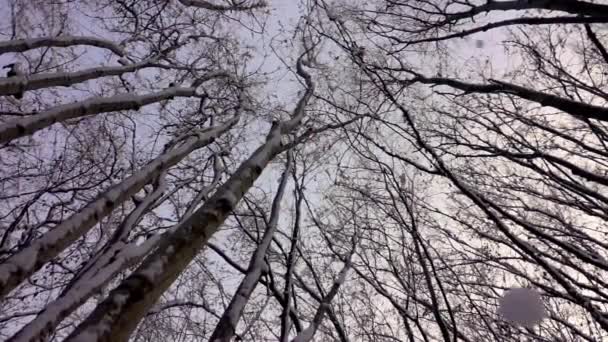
[522, 306]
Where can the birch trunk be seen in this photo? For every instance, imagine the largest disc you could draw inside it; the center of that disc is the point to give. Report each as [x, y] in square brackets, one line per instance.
[100, 269]
[28, 260]
[114, 258]
[118, 315]
[226, 327]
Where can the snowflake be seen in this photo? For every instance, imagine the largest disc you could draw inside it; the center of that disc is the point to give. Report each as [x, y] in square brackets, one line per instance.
[522, 306]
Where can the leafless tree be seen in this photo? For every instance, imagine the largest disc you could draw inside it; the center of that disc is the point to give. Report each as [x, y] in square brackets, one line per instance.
[514, 152]
[420, 158]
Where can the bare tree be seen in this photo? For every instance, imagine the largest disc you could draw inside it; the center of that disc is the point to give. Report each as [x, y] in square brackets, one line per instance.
[516, 153]
[379, 171]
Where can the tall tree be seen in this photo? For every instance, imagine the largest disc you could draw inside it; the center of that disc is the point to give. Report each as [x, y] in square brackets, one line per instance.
[213, 170]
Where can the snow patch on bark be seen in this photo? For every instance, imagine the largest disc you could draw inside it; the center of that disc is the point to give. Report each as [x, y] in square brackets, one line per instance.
[156, 268]
[98, 330]
[23, 261]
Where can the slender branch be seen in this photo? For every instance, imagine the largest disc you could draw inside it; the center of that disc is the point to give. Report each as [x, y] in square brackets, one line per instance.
[28, 260]
[596, 42]
[574, 108]
[308, 333]
[509, 22]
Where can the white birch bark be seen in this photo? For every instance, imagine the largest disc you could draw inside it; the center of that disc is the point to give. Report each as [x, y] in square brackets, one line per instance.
[20, 45]
[111, 263]
[114, 258]
[215, 7]
[28, 260]
[28, 125]
[255, 319]
[19, 84]
[118, 315]
[111, 259]
[226, 327]
[269, 285]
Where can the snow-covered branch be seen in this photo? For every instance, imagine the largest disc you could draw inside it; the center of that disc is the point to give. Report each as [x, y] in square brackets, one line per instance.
[121, 311]
[109, 265]
[121, 233]
[20, 45]
[215, 7]
[19, 84]
[25, 262]
[28, 125]
[115, 257]
[118, 315]
[178, 304]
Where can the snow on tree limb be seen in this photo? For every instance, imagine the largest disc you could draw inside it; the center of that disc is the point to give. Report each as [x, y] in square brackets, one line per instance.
[115, 318]
[28, 125]
[20, 84]
[20, 45]
[116, 260]
[121, 232]
[113, 258]
[28, 260]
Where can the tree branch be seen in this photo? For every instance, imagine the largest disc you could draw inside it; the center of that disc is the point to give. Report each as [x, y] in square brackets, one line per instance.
[214, 7]
[574, 108]
[20, 45]
[596, 42]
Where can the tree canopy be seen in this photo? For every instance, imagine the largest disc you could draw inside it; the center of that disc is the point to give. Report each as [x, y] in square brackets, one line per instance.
[315, 170]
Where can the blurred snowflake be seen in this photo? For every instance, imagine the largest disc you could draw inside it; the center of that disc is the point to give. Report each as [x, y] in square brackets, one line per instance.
[522, 306]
